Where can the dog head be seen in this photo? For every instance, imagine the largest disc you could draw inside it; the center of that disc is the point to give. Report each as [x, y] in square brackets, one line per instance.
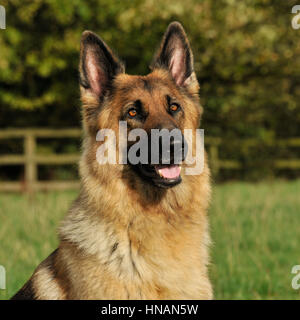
[165, 100]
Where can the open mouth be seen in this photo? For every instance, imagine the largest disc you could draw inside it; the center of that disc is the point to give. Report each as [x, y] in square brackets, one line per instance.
[165, 170]
[164, 176]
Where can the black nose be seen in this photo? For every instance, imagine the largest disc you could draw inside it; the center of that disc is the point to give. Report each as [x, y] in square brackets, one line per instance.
[178, 150]
[172, 148]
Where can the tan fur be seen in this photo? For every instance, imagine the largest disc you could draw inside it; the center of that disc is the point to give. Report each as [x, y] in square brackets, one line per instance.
[123, 238]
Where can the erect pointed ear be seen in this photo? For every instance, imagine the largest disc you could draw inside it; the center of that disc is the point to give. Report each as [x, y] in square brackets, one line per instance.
[98, 65]
[176, 56]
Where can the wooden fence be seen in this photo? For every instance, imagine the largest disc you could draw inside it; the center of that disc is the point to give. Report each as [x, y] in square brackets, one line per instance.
[31, 159]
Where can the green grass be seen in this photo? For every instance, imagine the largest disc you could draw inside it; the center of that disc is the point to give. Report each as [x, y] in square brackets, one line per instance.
[255, 229]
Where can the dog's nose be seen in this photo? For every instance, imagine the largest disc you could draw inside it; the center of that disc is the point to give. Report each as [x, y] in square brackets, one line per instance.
[178, 149]
[172, 149]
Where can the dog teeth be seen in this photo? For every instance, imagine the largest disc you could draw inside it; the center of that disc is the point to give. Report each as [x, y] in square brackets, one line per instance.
[159, 173]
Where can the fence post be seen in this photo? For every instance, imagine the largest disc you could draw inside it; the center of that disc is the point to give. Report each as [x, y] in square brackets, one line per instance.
[214, 159]
[30, 165]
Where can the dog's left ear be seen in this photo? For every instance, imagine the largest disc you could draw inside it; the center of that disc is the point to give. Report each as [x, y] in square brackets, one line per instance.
[98, 65]
[175, 55]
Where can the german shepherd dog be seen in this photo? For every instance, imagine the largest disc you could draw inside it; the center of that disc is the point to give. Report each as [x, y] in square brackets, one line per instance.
[135, 231]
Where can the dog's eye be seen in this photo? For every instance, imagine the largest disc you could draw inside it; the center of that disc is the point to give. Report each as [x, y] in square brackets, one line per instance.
[174, 107]
[132, 112]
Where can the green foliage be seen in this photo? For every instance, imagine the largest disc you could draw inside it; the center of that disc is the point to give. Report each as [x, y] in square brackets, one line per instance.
[246, 52]
[254, 228]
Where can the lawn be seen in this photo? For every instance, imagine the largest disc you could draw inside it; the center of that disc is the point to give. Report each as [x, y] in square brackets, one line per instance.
[255, 230]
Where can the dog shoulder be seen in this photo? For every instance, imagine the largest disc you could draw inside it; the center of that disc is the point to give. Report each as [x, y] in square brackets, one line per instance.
[26, 292]
[44, 283]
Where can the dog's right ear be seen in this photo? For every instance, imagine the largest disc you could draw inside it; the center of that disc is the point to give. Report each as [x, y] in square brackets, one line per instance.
[175, 55]
[98, 65]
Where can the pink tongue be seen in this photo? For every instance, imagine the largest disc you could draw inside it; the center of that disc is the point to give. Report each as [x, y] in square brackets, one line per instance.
[171, 172]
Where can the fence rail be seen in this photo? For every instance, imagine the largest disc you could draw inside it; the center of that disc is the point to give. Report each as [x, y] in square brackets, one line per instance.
[30, 159]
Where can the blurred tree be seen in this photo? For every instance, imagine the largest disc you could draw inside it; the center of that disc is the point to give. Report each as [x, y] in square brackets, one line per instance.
[247, 59]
